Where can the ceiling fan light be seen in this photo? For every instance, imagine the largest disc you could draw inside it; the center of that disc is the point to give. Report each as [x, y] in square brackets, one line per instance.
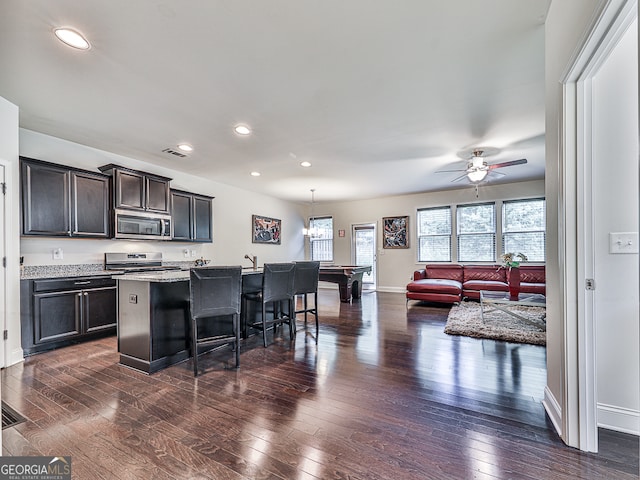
[477, 162]
[477, 175]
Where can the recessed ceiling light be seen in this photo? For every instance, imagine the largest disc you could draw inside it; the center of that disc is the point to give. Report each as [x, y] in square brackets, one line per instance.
[242, 130]
[72, 37]
[255, 174]
[185, 147]
[305, 164]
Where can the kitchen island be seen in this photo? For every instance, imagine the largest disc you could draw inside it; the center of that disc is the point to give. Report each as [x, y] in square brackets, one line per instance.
[154, 319]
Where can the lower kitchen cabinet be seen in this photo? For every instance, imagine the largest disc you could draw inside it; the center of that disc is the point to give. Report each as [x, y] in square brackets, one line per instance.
[58, 312]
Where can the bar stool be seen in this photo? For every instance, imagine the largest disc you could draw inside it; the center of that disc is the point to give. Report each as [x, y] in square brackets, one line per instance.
[277, 287]
[304, 284]
[214, 298]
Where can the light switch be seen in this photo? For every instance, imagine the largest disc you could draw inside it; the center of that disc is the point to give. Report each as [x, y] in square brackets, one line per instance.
[623, 242]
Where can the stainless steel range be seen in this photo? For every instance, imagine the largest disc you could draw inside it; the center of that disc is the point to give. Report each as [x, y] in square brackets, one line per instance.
[136, 262]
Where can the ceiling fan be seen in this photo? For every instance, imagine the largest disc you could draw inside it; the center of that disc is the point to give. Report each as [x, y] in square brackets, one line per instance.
[477, 168]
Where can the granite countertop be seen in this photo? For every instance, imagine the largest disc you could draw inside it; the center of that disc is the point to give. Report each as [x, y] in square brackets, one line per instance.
[36, 272]
[169, 276]
[162, 277]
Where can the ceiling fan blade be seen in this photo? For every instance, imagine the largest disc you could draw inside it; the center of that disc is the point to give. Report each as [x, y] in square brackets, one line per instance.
[493, 173]
[459, 178]
[508, 164]
[448, 171]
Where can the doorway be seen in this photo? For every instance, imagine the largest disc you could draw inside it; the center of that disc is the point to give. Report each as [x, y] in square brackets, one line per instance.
[364, 252]
[599, 133]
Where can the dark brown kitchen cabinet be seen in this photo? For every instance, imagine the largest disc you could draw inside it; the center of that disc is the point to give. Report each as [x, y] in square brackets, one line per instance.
[56, 316]
[134, 190]
[63, 201]
[58, 312]
[191, 217]
[89, 205]
[181, 216]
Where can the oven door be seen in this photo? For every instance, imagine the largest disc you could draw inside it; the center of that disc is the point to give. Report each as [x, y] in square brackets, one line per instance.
[142, 225]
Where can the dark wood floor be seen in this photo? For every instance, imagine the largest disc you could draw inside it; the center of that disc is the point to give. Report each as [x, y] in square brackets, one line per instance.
[384, 395]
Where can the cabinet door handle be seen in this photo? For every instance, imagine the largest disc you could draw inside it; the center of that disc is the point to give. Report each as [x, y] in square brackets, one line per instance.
[82, 283]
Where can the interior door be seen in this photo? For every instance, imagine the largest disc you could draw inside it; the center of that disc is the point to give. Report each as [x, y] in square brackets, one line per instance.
[364, 251]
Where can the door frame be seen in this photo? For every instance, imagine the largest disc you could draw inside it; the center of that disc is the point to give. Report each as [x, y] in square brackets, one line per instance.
[4, 293]
[374, 226]
[579, 417]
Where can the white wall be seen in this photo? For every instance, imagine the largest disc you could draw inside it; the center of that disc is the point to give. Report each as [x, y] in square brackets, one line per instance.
[565, 25]
[396, 266]
[9, 158]
[232, 210]
[615, 195]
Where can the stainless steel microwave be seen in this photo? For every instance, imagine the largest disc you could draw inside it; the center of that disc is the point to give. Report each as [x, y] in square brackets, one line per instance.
[142, 225]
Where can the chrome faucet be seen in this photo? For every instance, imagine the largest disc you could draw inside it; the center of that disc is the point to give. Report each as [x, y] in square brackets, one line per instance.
[253, 259]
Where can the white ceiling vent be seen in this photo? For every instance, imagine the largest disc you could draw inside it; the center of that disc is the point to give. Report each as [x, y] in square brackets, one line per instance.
[174, 152]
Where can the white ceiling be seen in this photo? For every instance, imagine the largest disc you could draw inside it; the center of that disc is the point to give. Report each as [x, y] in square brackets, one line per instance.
[377, 94]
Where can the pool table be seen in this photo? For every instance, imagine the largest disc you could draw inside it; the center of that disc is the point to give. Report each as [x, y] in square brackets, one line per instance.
[348, 278]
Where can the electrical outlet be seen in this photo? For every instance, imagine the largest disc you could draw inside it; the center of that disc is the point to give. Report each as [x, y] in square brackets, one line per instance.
[186, 253]
[57, 254]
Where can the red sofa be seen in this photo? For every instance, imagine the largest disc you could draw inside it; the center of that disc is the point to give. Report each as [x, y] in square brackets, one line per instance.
[533, 279]
[436, 283]
[450, 283]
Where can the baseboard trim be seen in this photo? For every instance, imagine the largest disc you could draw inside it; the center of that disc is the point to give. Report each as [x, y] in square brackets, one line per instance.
[553, 409]
[333, 286]
[620, 419]
[392, 289]
[15, 356]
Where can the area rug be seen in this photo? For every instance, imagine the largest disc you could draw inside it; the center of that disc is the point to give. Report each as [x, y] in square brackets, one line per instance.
[466, 319]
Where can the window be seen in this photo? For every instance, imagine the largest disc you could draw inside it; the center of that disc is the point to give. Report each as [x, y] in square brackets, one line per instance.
[321, 241]
[523, 228]
[434, 234]
[476, 233]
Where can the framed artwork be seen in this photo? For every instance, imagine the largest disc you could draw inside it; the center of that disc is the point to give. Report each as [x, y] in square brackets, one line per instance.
[341, 233]
[265, 229]
[395, 232]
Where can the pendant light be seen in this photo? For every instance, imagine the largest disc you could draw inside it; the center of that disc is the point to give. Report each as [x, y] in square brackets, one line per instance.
[311, 230]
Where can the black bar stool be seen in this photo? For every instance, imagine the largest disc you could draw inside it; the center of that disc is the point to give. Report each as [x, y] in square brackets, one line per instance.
[277, 287]
[214, 297]
[304, 284]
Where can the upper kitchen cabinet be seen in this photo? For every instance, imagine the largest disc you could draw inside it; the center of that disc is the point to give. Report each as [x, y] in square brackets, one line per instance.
[191, 217]
[89, 204]
[134, 190]
[63, 201]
